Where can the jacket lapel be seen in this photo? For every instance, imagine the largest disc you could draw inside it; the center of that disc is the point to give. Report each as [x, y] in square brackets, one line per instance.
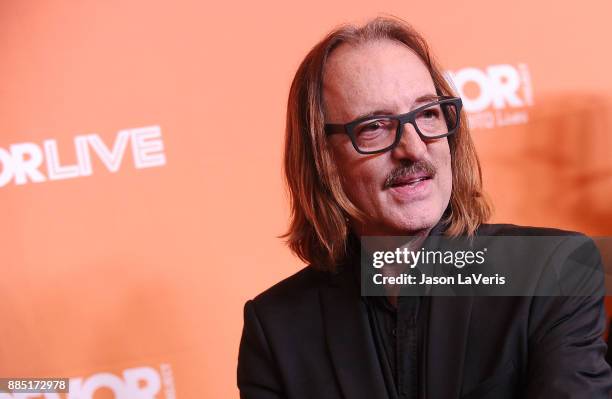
[349, 339]
[449, 322]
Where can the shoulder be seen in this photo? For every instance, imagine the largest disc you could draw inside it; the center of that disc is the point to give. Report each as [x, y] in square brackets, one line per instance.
[296, 291]
[507, 229]
[568, 261]
[566, 244]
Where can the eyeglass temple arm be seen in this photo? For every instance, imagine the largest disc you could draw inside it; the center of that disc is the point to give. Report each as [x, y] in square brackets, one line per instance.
[331, 128]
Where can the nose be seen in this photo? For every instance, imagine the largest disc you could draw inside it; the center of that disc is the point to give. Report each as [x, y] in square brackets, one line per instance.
[410, 146]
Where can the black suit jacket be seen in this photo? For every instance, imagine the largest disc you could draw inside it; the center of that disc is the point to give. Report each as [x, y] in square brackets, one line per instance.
[309, 337]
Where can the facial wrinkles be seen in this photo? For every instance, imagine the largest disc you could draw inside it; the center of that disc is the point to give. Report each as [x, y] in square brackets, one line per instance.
[360, 99]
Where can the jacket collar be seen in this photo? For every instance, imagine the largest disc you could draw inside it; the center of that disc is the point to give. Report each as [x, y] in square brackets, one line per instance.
[349, 338]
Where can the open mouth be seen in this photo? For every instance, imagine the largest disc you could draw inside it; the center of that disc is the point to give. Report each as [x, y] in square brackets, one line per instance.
[409, 181]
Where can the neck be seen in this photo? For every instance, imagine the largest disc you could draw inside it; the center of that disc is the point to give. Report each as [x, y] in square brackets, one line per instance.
[411, 241]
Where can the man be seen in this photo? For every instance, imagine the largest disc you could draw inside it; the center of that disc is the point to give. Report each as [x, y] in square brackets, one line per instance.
[377, 145]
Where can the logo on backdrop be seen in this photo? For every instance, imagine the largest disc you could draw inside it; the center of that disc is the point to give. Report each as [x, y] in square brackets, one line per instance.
[29, 162]
[133, 383]
[494, 96]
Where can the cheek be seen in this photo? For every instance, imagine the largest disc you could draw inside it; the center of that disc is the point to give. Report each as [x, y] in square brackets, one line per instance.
[360, 181]
[361, 184]
[360, 175]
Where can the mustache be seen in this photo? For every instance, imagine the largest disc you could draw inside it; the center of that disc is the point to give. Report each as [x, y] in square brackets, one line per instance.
[411, 169]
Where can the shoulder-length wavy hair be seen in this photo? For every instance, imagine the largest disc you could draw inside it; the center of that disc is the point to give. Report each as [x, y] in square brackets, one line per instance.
[318, 230]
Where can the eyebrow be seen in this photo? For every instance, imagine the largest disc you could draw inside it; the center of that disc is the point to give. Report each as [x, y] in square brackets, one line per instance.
[424, 99]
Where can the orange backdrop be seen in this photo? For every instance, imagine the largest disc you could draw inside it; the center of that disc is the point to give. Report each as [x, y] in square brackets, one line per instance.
[140, 154]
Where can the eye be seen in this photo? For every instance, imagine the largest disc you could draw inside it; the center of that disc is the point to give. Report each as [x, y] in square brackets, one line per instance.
[431, 114]
[375, 125]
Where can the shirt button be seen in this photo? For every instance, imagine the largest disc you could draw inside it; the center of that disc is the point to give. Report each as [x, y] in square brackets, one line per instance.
[399, 332]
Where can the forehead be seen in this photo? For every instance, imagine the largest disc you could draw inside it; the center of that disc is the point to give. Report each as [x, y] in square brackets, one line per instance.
[377, 75]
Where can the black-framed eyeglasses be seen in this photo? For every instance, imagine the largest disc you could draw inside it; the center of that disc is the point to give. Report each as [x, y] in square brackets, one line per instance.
[380, 133]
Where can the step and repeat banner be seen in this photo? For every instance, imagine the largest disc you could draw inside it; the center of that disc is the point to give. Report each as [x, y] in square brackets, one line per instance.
[140, 166]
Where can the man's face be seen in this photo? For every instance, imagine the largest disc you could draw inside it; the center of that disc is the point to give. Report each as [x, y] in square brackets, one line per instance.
[386, 77]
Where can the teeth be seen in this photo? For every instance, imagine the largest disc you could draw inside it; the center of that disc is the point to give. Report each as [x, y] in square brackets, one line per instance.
[411, 182]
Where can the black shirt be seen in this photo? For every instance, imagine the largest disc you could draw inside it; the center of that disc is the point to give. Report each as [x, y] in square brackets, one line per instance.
[400, 337]
[399, 334]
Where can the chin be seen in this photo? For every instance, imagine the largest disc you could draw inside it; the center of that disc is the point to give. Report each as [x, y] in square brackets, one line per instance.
[412, 228]
[405, 224]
